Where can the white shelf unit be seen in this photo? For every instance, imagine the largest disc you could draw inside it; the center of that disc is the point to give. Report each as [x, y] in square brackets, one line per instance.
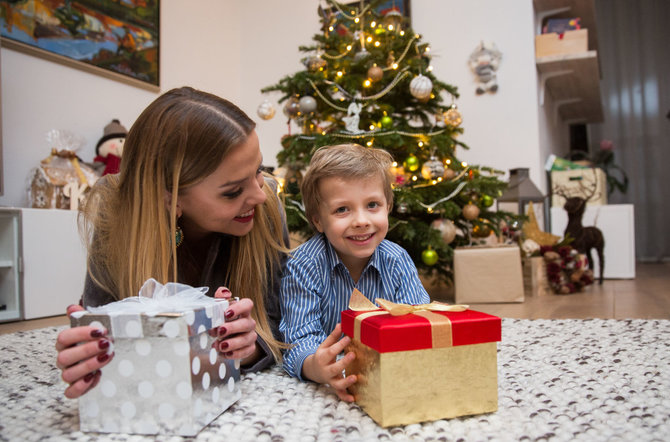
[10, 264]
[44, 262]
[617, 223]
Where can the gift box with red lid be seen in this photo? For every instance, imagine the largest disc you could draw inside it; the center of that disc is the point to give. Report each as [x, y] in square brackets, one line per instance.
[422, 363]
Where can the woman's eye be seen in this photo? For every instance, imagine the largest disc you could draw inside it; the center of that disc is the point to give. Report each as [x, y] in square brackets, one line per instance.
[235, 194]
[260, 170]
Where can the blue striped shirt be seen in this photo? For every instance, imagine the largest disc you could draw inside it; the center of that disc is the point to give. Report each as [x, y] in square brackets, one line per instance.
[316, 287]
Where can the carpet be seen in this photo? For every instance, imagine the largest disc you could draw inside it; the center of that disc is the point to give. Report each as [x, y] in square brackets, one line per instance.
[559, 380]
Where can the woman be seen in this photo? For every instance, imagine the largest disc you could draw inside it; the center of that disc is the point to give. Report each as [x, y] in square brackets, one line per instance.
[190, 204]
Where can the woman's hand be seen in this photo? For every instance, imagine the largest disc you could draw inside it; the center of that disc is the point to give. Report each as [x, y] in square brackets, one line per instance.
[237, 336]
[82, 351]
[324, 368]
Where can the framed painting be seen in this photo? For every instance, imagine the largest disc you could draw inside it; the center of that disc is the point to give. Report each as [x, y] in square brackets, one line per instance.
[118, 39]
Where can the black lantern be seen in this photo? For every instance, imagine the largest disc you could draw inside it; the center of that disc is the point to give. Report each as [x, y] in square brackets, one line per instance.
[521, 190]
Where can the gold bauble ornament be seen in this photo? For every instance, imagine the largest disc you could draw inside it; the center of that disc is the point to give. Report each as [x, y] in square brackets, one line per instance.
[449, 174]
[470, 211]
[375, 73]
[453, 117]
[266, 110]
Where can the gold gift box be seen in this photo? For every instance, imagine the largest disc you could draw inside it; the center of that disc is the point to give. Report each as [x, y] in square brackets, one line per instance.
[409, 386]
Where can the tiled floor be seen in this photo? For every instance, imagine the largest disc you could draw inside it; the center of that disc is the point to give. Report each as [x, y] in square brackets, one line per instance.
[646, 296]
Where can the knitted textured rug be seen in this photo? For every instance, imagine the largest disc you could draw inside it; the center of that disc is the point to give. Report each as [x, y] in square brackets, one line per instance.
[558, 380]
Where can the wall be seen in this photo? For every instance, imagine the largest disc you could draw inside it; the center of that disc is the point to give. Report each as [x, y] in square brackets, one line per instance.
[235, 48]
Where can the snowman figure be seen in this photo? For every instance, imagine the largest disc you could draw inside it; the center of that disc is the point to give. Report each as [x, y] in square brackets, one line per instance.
[110, 148]
[484, 62]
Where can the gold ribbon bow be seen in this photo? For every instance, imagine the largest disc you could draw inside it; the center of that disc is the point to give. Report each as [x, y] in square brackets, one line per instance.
[72, 157]
[440, 325]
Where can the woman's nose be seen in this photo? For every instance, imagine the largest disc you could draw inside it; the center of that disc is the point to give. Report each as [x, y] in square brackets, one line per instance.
[258, 195]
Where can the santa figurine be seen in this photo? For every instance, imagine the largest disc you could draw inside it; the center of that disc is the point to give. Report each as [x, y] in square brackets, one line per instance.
[110, 147]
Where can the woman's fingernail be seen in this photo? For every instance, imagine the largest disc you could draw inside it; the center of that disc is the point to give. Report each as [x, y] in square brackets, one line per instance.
[103, 344]
[222, 331]
[230, 314]
[223, 345]
[98, 333]
[103, 357]
[89, 377]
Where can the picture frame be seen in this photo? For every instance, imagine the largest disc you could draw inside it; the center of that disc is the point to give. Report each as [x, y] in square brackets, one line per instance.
[117, 40]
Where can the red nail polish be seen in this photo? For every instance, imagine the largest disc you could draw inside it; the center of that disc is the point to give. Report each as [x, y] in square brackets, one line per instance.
[103, 357]
[103, 344]
[228, 354]
[97, 333]
[89, 377]
[222, 331]
[223, 345]
[230, 314]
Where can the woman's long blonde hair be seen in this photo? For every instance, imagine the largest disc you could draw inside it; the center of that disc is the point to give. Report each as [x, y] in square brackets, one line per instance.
[177, 141]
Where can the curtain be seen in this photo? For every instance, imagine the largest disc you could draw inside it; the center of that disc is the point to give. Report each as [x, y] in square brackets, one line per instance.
[634, 53]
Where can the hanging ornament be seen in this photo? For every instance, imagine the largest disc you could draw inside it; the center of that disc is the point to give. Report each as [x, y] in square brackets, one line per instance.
[386, 122]
[470, 211]
[402, 208]
[411, 163]
[420, 87]
[375, 73]
[307, 104]
[393, 20]
[446, 228]
[432, 169]
[361, 55]
[449, 174]
[314, 63]
[452, 116]
[429, 257]
[292, 107]
[486, 200]
[266, 110]
[482, 230]
[390, 60]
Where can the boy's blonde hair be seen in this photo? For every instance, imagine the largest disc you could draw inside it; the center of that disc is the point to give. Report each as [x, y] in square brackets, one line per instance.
[348, 161]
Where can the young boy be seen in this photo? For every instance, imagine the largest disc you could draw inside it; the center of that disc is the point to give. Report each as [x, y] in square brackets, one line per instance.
[347, 196]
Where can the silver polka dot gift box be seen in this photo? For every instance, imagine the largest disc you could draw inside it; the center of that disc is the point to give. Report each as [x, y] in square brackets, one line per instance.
[165, 377]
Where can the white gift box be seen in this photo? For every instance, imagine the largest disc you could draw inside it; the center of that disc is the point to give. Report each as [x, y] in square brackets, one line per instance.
[165, 377]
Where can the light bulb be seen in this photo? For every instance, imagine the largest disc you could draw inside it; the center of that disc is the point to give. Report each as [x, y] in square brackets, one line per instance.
[430, 68]
[439, 179]
[402, 33]
[414, 178]
[447, 161]
[369, 39]
[395, 164]
[331, 29]
[372, 127]
[348, 47]
[395, 66]
[369, 143]
[373, 24]
[367, 83]
[377, 44]
[420, 143]
[464, 164]
[339, 73]
[390, 27]
[356, 20]
[427, 48]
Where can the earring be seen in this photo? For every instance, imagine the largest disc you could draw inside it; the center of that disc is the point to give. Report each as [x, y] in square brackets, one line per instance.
[178, 236]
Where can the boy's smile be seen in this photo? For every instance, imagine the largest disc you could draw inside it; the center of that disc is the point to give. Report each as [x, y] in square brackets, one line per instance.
[353, 215]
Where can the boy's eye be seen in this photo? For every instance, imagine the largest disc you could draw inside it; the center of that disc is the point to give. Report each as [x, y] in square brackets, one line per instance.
[373, 205]
[340, 210]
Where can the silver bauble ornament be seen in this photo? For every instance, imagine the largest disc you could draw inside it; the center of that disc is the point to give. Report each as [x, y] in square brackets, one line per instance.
[307, 104]
[292, 107]
[421, 87]
[432, 169]
[314, 63]
[266, 110]
[402, 208]
[447, 229]
[361, 55]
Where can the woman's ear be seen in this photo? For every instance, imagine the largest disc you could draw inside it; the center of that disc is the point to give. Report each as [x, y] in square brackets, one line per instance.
[167, 199]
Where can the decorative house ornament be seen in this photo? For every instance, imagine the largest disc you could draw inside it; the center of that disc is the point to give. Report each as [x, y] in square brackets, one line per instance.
[484, 62]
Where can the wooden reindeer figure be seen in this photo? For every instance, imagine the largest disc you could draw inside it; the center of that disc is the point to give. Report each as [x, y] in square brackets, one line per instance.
[584, 238]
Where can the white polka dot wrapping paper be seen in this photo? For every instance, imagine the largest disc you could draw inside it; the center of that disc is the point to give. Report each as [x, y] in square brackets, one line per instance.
[165, 377]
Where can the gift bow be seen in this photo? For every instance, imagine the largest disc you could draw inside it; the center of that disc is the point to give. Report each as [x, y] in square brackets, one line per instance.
[359, 303]
[441, 335]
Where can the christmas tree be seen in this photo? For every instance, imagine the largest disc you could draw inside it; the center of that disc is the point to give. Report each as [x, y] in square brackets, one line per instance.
[368, 80]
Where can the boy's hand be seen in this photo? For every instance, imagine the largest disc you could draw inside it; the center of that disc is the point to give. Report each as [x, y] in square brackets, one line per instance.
[324, 368]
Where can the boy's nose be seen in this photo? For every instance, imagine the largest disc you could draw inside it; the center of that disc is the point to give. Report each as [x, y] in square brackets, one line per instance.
[361, 219]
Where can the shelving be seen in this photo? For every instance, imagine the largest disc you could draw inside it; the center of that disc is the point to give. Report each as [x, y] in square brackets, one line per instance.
[9, 266]
[572, 80]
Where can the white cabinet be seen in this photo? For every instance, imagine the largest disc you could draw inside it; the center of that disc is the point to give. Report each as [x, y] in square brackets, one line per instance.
[42, 262]
[616, 221]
